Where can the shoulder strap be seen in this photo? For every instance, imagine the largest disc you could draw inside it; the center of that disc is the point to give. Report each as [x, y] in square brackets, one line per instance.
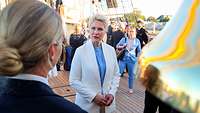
[125, 39]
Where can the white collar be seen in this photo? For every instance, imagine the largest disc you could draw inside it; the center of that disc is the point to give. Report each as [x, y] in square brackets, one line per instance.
[31, 77]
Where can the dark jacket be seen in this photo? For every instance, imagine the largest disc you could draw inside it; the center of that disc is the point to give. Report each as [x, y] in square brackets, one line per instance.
[76, 40]
[142, 36]
[25, 96]
[109, 35]
[116, 37]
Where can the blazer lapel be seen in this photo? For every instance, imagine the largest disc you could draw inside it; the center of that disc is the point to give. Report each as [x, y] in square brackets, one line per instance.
[107, 57]
[92, 60]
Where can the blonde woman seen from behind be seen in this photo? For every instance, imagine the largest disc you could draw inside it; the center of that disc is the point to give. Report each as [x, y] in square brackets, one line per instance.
[31, 36]
[95, 73]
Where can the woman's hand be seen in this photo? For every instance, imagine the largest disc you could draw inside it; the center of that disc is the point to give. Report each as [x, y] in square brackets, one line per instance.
[109, 98]
[120, 47]
[100, 100]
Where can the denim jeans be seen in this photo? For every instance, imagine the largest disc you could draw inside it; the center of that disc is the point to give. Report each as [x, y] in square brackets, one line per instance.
[130, 65]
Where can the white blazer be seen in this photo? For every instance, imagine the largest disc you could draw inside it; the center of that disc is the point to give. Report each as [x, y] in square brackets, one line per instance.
[85, 78]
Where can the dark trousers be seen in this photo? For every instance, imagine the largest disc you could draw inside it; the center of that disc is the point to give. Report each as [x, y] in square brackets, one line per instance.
[152, 103]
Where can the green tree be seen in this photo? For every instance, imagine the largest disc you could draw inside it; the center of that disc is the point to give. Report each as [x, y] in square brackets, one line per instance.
[163, 18]
[142, 17]
[151, 19]
[134, 16]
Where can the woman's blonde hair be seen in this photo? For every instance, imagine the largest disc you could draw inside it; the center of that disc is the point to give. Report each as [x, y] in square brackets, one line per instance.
[100, 18]
[132, 28]
[27, 28]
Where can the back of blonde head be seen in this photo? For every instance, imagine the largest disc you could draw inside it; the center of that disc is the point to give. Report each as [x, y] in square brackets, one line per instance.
[27, 28]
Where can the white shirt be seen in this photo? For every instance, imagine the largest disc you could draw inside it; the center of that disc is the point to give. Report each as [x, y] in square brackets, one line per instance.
[53, 72]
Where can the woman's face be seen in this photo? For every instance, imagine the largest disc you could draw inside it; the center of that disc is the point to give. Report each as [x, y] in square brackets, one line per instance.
[132, 32]
[97, 31]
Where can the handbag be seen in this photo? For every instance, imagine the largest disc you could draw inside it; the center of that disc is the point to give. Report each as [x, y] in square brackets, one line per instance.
[120, 54]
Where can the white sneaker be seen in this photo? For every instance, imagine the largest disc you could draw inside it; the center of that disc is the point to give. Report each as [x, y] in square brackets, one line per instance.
[130, 91]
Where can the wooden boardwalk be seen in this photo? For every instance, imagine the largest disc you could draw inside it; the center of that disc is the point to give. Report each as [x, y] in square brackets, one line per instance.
[125, 102]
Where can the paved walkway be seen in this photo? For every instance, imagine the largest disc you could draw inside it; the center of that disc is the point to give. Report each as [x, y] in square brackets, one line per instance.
[125, 102]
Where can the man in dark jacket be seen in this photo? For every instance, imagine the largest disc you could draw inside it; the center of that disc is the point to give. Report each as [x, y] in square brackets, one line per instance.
[109, 33]
[76, 40]
[117, 36]
[141, 34]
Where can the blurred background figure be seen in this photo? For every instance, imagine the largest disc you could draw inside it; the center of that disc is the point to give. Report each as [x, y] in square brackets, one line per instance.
[141, 33]
[31, 36]
[117, 35]
[76, 40]
[111, 27]
[130, 45]
[94, 72]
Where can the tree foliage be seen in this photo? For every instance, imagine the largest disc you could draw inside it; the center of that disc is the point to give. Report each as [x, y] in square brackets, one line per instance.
[163, 18]
[151, 19]
[134, 17]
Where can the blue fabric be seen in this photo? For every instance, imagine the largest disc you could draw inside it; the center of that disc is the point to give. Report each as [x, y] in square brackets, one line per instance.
[130, 55]
[68, 58]
[101, 63]
[129, 59]
[131, 75]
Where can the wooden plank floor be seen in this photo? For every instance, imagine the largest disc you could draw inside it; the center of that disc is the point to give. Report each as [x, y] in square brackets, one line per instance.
[129, 103]
[60, 85]
[125, 102]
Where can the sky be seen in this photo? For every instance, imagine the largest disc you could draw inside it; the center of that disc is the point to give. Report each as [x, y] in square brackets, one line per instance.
[157, 7]
[148, 7]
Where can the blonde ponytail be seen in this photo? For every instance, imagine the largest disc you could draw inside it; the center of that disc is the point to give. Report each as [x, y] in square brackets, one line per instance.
[10, 61]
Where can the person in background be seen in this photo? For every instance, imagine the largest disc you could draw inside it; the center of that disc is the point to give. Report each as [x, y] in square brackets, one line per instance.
[76, 40]
[31, 36]
[127, 27]
[117, 35]
[110, 32]
[94, 72]
[142, 34]
[130, 44]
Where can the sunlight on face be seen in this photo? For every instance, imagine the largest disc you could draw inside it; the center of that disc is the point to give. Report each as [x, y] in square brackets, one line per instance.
[97, 31]
[132, 32]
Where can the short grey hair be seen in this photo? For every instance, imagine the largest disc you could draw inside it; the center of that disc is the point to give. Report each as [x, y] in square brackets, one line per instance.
[100, 18]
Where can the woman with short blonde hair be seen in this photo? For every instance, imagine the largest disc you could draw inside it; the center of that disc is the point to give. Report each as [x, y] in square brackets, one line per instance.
[100, 18]
[94, 72]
